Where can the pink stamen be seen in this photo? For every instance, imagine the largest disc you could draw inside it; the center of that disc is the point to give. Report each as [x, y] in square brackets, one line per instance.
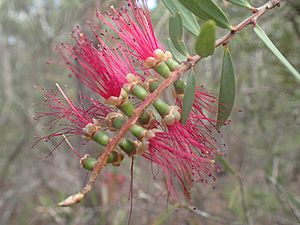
[178, 156]
[69, 119]
[134, 27]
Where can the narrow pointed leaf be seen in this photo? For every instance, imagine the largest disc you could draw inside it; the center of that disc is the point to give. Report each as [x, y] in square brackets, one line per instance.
[208, 9]
[227, 89]
[242, 3]
[179, 57]
[188, 19]
[188, 98]
[176, 31]
[205, 44]
[262, 35]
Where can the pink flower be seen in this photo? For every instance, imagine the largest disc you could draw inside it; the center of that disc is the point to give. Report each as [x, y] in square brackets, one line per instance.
[86, 63]
[116, 56]
[133, 25]
[199, 123]
[68, 118]
[180, 157]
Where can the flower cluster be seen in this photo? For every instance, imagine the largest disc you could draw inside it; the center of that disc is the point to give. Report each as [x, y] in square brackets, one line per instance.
[111, 68]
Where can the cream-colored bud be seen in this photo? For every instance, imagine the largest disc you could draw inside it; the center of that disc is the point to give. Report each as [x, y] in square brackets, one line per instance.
[112, 100]
[123, 94]
[150, 62]
[71, 200]
[168, 55]
[117, 101]
[176, 113]
[131, 78]
[169, 119]
[159, 54]
[127, 87]
[96, 122]
[89, 130]
[140, 147]
[149, 134]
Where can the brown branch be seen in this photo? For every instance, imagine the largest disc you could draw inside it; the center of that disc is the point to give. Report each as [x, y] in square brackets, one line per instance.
[184, 67]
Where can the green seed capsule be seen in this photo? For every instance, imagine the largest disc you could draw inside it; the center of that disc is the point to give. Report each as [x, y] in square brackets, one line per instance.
[88, 162]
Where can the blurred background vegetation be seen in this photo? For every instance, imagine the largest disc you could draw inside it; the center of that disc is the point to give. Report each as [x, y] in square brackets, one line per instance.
[262, 142]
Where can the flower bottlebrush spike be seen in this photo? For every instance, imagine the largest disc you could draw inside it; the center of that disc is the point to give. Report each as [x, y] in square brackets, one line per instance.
[178, 160]
[85, 119]
[108, 68]
[84, 61]
[96, 67]
[133, 25]
[201, 126]
[180, 153]
[98, 73]
[136, 30]
[72, 118]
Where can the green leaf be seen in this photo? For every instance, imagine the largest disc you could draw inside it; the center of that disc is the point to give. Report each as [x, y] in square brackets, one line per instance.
[208, 9]
[205, 44]
[188, 98]
[176, 31]
[188, 19]
[243, 3]
[165, 215]
[225, 165]
[262, 35]
[227, 89]
[175, 53]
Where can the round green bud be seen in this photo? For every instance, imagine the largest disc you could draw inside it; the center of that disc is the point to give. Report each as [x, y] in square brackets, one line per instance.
[88, 162]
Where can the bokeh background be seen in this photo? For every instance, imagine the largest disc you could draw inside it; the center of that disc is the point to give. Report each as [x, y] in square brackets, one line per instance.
[262, 142]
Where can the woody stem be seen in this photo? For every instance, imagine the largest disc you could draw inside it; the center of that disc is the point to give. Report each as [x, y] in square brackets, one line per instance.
[102, 138]
[165, 69]
[141, 93]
